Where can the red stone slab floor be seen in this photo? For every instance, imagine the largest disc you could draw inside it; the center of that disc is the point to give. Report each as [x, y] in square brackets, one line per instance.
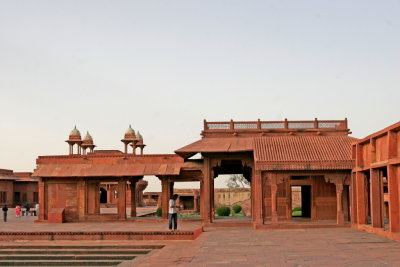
[240, 246]
[293, 247]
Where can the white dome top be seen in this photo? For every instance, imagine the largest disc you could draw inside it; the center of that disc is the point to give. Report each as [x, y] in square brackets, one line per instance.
[88, 137]
[75, 132]
[139, 136]
[130, 130]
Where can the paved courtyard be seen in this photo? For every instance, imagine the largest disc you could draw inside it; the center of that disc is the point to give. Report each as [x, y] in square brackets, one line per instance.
[247, 247]
[237, 246]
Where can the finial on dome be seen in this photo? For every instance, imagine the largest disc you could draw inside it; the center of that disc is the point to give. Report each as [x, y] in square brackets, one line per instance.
[88, 137]
[130, 130]
[75, 132]
[139, 136]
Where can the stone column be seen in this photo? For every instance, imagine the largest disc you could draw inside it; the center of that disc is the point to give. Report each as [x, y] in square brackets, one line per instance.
[353, 197]
[376, 199]
[42, 215]
[360, 198]
[252, 200]
[313, 197]
[258, 218]
[133, 197]
[109, 194]
[171, 190]
[81, 199]
[212, 196]
[339, 204]
[122, 199]
[97, 194]
[274, 200]
[393, 187]
[195, 204]
[206, 190]
[201, 204]
[165, 196]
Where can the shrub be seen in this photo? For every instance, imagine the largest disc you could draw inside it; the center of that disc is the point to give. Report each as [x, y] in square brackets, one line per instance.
[297, 209]
[236, 208]
[223, 211]
[159, 212]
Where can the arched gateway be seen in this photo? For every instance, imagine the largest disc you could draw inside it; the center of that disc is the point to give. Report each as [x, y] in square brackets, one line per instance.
[275, 156]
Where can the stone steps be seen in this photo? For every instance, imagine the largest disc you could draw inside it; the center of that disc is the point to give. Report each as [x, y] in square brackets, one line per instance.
[57, 255]
[66, 257]
[83, 247]
[74, 252]
[59, 263]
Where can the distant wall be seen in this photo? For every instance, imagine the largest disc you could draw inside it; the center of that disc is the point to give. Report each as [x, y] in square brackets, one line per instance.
[231, 196]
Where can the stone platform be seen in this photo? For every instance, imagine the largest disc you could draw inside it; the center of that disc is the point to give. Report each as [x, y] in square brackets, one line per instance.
[25, 228]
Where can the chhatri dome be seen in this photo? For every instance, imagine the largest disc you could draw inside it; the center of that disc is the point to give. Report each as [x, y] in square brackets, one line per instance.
[75, 132]
[139, 137]
[88, 137]
[130, 131]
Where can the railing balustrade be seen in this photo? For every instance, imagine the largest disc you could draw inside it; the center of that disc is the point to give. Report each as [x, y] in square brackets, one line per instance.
[275, 125]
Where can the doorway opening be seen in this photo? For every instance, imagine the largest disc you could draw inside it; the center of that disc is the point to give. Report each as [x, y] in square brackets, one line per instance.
[301, 201]
[189, 199]
[231, 197]
[103, 195]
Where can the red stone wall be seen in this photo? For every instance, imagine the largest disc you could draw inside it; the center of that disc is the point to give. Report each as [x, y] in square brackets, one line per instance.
[60, 194]
[324, 199]
[7, 186]
[233, 196]
[296, 197]
[27, 190]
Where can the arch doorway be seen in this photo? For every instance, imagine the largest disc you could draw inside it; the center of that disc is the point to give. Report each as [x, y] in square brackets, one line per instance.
[103, 195]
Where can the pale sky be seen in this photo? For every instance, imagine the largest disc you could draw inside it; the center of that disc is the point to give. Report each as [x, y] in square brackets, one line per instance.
[164, 66]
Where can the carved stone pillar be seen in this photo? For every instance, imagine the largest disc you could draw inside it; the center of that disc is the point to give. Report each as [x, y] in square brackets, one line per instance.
[195, 203]
[393, 187]
[201, 199]
[81, 199]
[171, 189]
[42, 215]
[206, 192]
[258, 217]
[133, 197]
[360, 198]
[165, 196]
[376, 199]
[122, 199]
[353, 197]
[109, 194]
[339, 204]
[274, 200]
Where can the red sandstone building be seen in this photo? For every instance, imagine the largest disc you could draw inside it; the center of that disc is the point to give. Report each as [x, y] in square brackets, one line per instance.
[375, 182]
[272, 155]
[18, 188]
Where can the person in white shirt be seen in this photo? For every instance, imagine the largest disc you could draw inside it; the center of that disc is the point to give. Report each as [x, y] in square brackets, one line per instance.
[172, 212]
[37, 209]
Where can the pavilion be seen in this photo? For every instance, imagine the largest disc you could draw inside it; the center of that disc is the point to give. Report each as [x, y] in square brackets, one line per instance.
[272, 155]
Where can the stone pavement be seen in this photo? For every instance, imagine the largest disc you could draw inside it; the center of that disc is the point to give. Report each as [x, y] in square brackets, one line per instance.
[238, 246]
[295, 247]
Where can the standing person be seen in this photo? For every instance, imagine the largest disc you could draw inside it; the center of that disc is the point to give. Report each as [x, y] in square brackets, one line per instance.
[37, 209]
[18, 211]
[27, 209]
[5, 210]
[172, 213]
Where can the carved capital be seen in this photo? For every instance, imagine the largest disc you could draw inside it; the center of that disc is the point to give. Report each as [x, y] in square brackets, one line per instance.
[339, 188]
[282, 178]
[337, 178]
[215, 163]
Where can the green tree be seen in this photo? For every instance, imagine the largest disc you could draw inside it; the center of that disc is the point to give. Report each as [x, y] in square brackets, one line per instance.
[237, 181]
